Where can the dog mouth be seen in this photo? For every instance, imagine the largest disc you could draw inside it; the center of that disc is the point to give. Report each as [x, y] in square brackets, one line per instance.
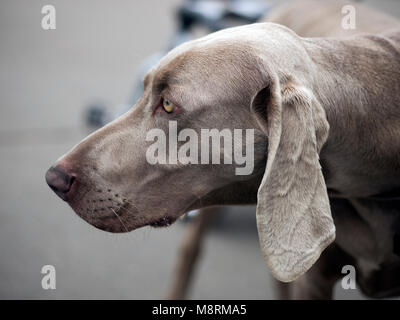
[163, 222]
[115, 225]
[112, 212]
[121, 222]
[120, 225]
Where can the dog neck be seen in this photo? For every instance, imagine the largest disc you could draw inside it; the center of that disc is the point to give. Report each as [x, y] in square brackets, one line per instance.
[358, 89]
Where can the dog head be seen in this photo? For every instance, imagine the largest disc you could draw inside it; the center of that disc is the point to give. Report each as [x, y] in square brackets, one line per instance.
[141, 169]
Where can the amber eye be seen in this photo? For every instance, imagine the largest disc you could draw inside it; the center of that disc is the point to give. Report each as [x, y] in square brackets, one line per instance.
[168, 106]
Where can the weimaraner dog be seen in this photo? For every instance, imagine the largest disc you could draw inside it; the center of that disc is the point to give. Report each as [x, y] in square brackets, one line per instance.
[309, 18]
[326, 120]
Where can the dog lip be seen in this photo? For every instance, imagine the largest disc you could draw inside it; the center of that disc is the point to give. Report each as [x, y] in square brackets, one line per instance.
[163, 222]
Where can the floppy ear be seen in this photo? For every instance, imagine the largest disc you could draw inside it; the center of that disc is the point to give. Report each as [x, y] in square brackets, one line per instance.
[293, 214]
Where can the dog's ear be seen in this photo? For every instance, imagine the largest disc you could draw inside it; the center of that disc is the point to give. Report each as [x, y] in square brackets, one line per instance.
[293, 214]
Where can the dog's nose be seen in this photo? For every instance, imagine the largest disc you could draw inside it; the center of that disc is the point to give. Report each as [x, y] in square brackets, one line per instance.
[59, 181]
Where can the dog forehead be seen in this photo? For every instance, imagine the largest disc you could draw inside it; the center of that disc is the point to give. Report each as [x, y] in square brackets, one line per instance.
[205, 60]
[234, 46]
[225, 63]
[227, 39]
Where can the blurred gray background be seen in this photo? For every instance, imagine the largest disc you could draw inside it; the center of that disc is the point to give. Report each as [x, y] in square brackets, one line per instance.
[47, 78]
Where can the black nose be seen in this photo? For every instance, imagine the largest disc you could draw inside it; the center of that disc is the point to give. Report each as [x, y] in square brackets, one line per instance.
[59, 181]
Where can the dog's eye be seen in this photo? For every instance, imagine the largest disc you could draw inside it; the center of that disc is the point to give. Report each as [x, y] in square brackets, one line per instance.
[168, 106]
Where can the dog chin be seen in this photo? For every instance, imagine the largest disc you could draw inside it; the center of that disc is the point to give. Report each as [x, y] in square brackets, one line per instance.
[114, 226]
[120, 220]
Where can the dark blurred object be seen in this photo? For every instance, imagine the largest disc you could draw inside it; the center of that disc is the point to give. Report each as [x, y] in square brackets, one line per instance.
[95, 115]
[212, 13]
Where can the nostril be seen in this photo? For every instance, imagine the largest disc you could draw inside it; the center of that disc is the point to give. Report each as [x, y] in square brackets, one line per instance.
[71, 182]
[59, 181]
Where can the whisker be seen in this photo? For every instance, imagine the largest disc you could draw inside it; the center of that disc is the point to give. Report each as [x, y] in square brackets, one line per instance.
[126, 229]
[128, 211]
[134, 217]
[93, 207]
[132, 204]
[133, 214]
